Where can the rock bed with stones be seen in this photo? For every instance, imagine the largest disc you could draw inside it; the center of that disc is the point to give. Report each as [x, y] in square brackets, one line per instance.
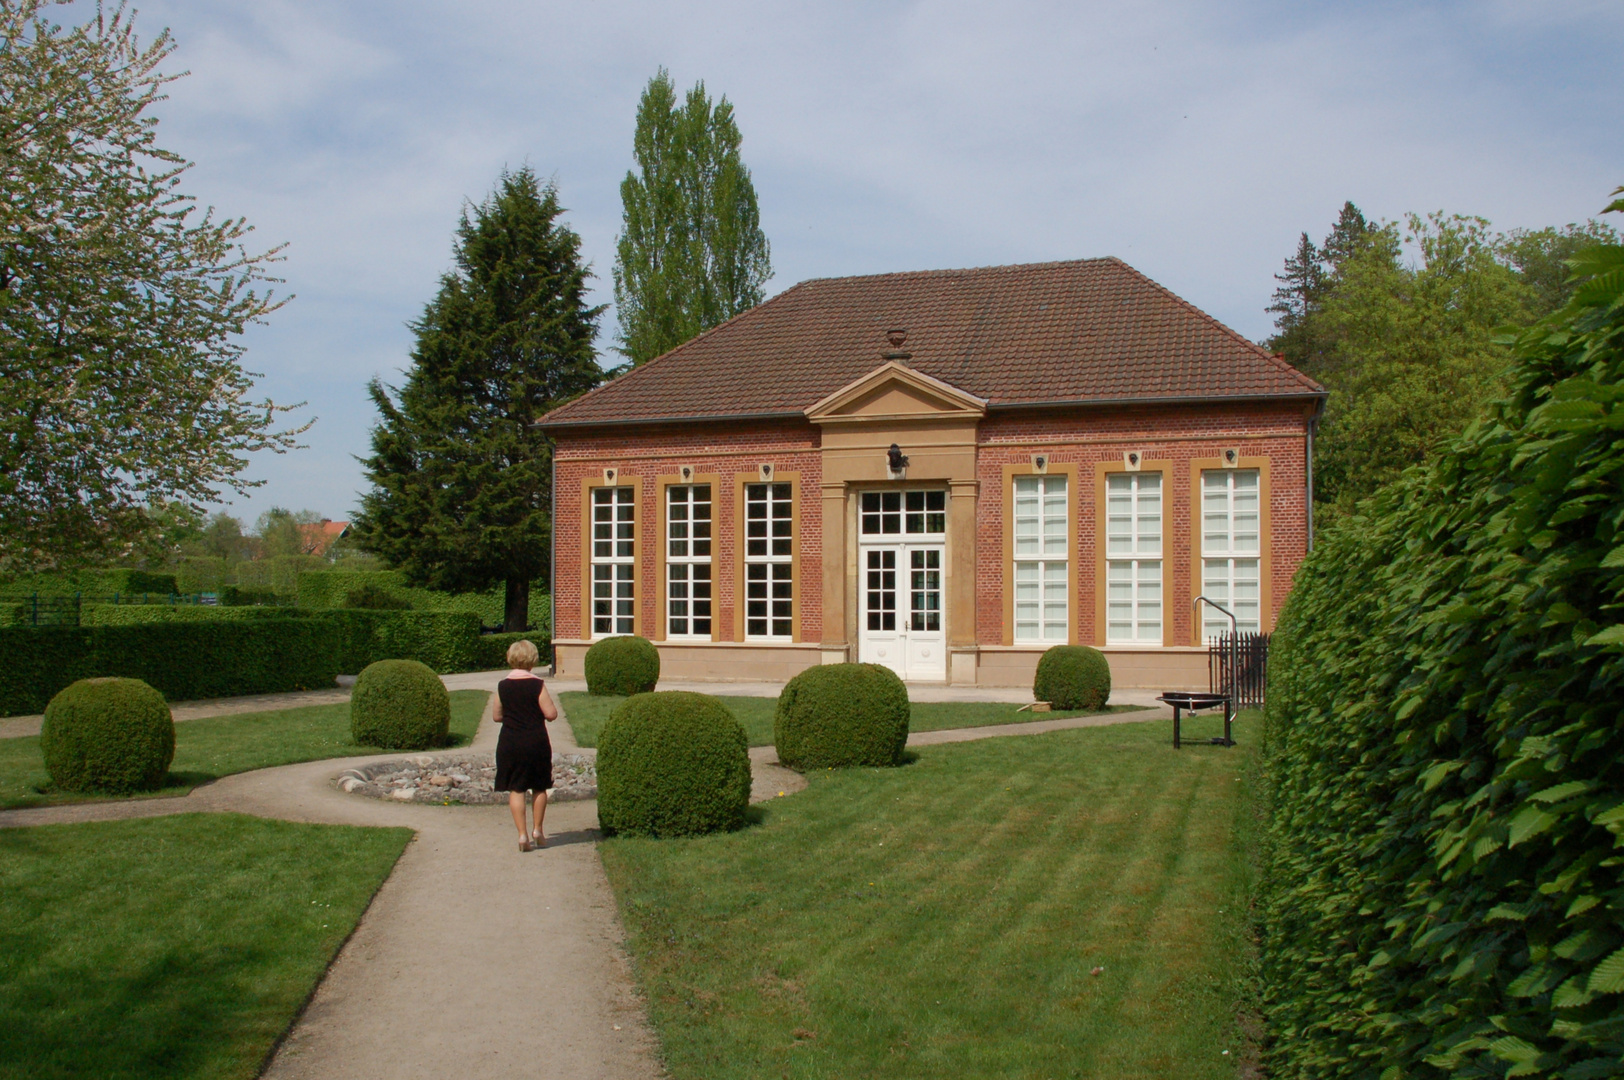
[466, 778]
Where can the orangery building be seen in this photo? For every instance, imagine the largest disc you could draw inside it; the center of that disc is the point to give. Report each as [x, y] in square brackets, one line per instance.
[945, 472]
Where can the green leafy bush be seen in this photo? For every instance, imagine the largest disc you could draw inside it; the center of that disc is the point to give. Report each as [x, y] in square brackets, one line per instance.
[143, 614]
[238, 596]
[672, 764]
[202, 574]
[278, 575]
[490, 651]
[329, 586]
[1442, 890]
[1073, 677]
[375, 598]
[621, 666]
[839, 715]
[91, 582]
[400, 705]
[108, 735]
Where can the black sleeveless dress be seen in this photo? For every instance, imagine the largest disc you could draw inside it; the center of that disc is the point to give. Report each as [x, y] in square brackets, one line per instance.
[524, 753]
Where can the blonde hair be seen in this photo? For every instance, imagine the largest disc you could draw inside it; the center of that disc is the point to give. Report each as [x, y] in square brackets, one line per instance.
[522, 656]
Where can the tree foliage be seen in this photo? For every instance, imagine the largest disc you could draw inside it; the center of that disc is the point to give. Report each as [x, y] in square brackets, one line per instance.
[1442, 892]
[121, 305]
[1407, 347]
[461, 479]
[691, 251]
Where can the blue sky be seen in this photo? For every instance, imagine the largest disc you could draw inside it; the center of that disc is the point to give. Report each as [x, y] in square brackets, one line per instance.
[1193, 140]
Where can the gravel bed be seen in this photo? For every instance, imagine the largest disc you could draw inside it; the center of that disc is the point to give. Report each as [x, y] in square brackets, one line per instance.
[462, 778]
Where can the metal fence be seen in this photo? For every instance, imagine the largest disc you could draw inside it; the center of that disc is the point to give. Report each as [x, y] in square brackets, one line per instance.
[1238, 665]
[36, 609]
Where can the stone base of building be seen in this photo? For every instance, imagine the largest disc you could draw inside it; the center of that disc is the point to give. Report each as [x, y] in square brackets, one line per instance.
[1132, 668]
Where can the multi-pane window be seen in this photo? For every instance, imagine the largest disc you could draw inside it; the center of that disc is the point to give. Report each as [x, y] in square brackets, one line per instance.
[1133, 554]
[1040, 558]
[1230, 550]
[614, 544]
[688, 560]
[769, 590]
[903, 513]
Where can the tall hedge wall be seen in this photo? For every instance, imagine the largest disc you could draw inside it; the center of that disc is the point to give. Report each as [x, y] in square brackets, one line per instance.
[231, 654]
[1443, 891]
[327, 588]
[97, 582]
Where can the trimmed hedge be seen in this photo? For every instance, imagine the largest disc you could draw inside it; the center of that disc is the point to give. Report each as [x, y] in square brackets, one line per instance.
[622, 666]
[838, 715]
[326, 588]
[1442, 890]
[202, 574]
[278, 575]
[490, 651]
[672, 764]
[108, 735]
[399, 705]
[231, 652]
[1073, 677]
[145, 614]
[97, 582]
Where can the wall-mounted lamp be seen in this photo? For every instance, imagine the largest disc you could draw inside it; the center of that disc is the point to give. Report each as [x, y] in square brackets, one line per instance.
[896, 459]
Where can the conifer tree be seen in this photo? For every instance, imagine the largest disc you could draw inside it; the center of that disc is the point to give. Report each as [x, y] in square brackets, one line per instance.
[461, 480]
[691, 252]
[1296, 302]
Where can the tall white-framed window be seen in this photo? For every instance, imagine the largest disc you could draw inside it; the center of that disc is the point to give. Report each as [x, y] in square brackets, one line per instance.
[1133, 557]
[769, 562]
[614, 567]
[1042, 610]
[688, 561]
[1231, 549]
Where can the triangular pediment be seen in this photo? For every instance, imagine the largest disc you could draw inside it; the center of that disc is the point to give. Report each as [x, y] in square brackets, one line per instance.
[895, 391]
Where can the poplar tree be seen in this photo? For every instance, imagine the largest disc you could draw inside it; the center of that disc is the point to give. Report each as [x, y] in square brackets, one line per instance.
[461, 479]
[691, 252]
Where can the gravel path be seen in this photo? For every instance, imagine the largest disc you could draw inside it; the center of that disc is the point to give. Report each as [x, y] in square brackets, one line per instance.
[472, 959]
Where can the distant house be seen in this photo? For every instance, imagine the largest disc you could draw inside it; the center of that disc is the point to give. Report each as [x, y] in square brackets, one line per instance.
[945, 472]
[318, 537]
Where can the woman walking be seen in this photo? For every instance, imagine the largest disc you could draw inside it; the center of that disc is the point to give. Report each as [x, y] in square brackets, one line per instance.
[524, 753]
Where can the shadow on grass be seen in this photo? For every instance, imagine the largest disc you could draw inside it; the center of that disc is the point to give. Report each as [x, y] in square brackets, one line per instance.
[115, 1022]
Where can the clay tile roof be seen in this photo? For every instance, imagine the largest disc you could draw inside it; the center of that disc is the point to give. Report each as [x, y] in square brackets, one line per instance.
[1093, 330]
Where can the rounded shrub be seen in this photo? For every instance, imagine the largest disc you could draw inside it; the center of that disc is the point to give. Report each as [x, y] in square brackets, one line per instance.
[399, 705]
[111, 735]
[837, 715]
[622, 665]
[1073, 677]
[672, 764]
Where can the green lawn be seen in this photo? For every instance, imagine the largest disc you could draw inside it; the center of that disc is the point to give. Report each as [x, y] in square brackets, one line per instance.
[175, 947]
[587, 715]
[219, 746]
[944, 918]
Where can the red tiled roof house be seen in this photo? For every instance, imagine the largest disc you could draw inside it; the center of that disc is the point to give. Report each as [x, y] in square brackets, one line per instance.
[1085, 454]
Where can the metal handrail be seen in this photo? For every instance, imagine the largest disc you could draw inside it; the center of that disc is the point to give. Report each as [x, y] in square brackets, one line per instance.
[1234, 630]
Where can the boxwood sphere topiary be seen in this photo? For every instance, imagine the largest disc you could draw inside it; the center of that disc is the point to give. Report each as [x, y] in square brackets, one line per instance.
[1073, 677]
[112, 735]
[672, 764]
[842, 714]
[622, 665]
[400, 705]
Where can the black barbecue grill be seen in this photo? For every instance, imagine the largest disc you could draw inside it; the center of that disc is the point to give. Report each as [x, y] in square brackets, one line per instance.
[1193, 700]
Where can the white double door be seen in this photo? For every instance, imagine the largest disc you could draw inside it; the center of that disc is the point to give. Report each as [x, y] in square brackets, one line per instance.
[900, 619]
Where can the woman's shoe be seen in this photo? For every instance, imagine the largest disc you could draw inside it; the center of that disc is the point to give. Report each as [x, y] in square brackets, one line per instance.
[525, 845]
[538, 840]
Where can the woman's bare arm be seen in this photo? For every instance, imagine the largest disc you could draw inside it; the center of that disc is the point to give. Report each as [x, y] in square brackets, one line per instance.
[496, 707]
[549, 708]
